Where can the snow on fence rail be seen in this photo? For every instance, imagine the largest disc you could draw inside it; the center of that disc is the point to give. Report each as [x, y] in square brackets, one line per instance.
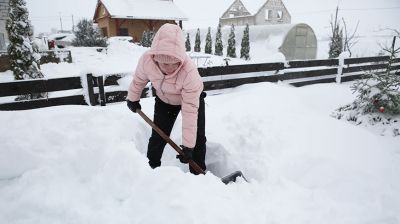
[90, 90]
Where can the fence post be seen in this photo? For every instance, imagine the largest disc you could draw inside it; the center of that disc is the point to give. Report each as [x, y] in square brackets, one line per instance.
[102, 96]
[340, 69]
[92, 100]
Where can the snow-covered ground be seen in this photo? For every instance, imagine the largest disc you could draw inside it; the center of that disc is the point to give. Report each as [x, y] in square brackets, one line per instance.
[80, 164]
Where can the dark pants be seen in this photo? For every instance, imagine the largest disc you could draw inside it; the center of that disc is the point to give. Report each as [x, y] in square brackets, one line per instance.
[164, 117]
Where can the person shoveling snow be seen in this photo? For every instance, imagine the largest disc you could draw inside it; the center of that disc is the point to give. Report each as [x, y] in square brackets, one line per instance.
[179, 87]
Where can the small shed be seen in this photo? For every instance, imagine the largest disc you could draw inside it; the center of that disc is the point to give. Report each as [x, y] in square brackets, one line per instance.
[133, 17]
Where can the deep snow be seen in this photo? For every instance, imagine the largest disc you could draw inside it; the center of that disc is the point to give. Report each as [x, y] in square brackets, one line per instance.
[79, 164]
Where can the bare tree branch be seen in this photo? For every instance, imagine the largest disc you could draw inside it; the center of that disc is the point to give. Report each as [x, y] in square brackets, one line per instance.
[349, 40]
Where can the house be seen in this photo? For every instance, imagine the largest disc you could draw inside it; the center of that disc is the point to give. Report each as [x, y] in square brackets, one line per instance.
[3, 20]
[255, 12]
[133, 17]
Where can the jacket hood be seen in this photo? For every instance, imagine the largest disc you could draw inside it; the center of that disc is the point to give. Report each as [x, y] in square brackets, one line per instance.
[169, 41]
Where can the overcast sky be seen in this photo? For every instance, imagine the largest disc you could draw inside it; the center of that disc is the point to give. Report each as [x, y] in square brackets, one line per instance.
[372, 14]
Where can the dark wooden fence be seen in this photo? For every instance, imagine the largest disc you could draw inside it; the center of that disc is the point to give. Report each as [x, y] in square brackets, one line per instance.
[90, 90]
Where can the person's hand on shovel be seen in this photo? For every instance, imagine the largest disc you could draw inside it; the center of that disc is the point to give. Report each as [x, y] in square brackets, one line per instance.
[187, 154]
[133, 106]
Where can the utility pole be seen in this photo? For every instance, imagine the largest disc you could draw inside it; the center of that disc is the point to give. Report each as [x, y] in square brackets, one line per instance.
[73, 24]
[61, 22]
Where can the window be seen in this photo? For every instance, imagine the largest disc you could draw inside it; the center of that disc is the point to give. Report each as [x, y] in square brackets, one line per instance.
[231, 15]
[280, 14]
[268, 14]
[123, 32]
[2, 42]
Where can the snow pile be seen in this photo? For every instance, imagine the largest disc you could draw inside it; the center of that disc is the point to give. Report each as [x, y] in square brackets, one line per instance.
[87, 164]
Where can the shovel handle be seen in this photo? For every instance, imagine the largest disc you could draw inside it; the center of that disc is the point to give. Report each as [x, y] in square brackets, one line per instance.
[178, 149]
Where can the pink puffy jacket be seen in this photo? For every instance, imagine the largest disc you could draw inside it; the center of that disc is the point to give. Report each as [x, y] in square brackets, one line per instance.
[183, 87]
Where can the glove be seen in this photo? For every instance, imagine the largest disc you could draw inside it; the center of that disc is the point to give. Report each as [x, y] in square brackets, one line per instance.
[187, 154]
[133, 106]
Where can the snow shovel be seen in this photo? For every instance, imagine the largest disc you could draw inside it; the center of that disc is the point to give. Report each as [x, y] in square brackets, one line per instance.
[227, 179]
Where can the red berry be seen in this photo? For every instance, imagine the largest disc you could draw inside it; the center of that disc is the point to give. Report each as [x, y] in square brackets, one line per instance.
[381, 109]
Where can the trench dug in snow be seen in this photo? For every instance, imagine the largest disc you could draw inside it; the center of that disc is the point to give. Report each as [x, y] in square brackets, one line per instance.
[216, 157]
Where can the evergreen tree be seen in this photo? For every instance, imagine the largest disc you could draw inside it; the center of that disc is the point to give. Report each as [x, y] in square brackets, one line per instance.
[147, 38]
[231, 51]
[245, 46]
[208, 48]
[144, 42]
[87, 36]
[24, 56]
[197, 42]
[187, 43]
[150, 37]
[336, 40]
[218, 42]
[378, 96]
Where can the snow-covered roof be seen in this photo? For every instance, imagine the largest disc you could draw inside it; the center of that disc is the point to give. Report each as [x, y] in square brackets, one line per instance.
[253, 5]
[144, 9]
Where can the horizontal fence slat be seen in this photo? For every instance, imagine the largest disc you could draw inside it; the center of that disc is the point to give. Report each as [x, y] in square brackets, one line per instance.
[395, 67]
[33, 104]
[120, 96]
[396, 60]
[116, 96]
[351, 77]
[348, 61]
[39, 86]
[110, 80]
[311, 82]
[236, 69]
[307, 74]
[231, 83]
[365, 68]
[312, 63]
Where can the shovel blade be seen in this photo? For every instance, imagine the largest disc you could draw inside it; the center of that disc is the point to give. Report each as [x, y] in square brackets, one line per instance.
[232, 177]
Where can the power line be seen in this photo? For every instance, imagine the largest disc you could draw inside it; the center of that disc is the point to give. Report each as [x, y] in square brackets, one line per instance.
[349, 9]
[368, 9]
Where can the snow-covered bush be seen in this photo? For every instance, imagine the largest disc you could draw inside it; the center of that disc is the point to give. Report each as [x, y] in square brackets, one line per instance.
[86, 35]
